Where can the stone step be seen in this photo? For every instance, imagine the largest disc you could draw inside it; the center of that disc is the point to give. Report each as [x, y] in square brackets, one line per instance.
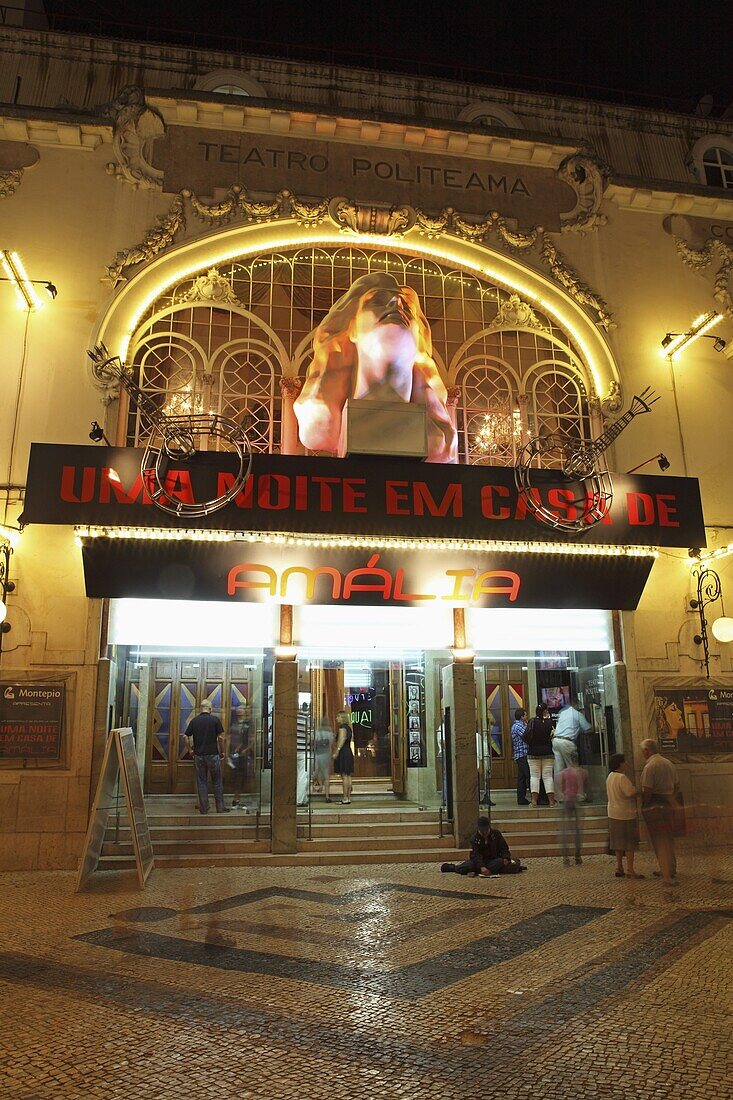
[185, 833]
[295, 859]
[220, 848]
[379, 843]
[356, 829]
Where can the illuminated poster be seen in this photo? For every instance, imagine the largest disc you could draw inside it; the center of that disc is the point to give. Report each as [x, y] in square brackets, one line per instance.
[694, 720]
[415, 701]
[31, 717]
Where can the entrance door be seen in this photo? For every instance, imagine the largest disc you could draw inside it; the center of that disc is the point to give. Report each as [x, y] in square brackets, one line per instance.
[499, 692]
[177, 689]
[374, 693]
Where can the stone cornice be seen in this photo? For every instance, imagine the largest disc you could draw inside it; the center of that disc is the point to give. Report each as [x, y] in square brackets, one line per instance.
[54, 126]
[210, 111]
[658, 197]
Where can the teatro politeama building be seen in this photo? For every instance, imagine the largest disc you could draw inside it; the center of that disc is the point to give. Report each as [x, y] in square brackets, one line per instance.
[406, 397]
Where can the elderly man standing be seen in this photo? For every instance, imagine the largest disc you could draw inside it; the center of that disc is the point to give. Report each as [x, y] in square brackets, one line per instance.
[205, 734]
[570, 723]
[658, 786]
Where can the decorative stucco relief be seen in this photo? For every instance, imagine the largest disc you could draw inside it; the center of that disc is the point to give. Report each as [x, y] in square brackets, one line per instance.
[352, 217]
[15, 158]
[588, 176]
[514, 313]
[135, 127]
[699, 258]
[576, 288]
[700, 242]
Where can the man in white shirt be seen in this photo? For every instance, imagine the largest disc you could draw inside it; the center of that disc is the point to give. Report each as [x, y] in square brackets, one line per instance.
[658, 787]
[570, 723]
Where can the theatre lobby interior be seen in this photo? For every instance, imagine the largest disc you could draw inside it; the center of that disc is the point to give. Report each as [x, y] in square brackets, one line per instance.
[366, 579]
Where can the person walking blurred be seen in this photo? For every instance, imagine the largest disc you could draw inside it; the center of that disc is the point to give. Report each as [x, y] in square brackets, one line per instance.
[538, 736]
[570, 784]
[322, 757]
[658, 788]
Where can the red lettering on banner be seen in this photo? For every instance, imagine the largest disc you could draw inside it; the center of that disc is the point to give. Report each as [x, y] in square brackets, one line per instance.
[301, 493]
[640, 507]
[243, 499]
[562, 503]
[522, 510]
[487, 502]
[666, 511]
[325, 503]
[68, 485]
[109, 486]
[395, 493]
[265, 485]
[353, 496]
[177, 486]
[452, 500]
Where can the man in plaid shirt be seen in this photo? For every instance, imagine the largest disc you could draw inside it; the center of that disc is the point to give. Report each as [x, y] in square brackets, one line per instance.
[519, 749]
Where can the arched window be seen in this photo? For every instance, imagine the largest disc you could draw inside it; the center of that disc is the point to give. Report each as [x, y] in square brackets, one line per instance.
[711, 159]
[492, 115]
[718, 167]
[516, 383]
[205, 359]
[222, 341]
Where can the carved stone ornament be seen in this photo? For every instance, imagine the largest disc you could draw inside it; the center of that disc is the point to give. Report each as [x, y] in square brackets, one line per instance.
[699, 258]
[351, 217]
[15, 158]
[578, 290]
[212, 287]
[587, 176]
[10, 182]
[135, 128]
[614, 399]
[290, 386]
[514, 313]
[387, 222]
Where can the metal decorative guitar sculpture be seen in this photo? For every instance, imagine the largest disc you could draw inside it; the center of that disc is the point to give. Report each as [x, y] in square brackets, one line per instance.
[581, 465]
[176, 439]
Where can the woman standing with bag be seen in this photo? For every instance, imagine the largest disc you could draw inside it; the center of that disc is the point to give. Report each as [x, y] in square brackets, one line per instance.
[538, 737]
[623, 821]
[343, 755]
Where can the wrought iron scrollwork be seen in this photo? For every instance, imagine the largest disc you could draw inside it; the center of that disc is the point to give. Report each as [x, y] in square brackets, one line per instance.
[708, 591]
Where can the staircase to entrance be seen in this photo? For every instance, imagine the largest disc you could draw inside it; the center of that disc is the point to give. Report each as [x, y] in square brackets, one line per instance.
[374, 829]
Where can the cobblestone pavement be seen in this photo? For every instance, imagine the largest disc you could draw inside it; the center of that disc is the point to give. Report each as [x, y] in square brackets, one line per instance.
[350, 982]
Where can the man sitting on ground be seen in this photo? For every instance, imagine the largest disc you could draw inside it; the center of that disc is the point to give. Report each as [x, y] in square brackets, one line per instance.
[490, 855]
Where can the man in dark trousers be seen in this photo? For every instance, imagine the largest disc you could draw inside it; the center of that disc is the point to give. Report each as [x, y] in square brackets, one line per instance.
[205, 734]
[490, 855]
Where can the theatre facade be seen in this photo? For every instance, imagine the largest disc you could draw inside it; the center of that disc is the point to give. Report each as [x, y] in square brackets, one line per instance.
[368, 392]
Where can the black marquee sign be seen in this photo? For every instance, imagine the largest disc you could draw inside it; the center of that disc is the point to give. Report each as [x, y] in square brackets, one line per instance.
[459, 507]
[103, 486]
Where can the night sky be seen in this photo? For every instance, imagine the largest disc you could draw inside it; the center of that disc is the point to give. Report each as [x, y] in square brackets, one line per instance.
[663, 51]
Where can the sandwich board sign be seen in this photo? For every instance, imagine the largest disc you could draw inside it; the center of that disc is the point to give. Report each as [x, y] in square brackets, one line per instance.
[120, 762]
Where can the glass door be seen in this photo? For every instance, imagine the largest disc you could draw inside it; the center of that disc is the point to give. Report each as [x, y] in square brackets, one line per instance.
[500, 690]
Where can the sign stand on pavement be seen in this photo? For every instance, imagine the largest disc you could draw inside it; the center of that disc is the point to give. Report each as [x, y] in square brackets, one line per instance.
[120, 761]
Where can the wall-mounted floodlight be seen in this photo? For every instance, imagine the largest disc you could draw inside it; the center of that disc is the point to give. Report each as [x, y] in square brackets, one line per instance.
[24, 287]
[674, 343]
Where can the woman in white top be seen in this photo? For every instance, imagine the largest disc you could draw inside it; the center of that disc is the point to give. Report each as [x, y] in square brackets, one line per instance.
[623, 820]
